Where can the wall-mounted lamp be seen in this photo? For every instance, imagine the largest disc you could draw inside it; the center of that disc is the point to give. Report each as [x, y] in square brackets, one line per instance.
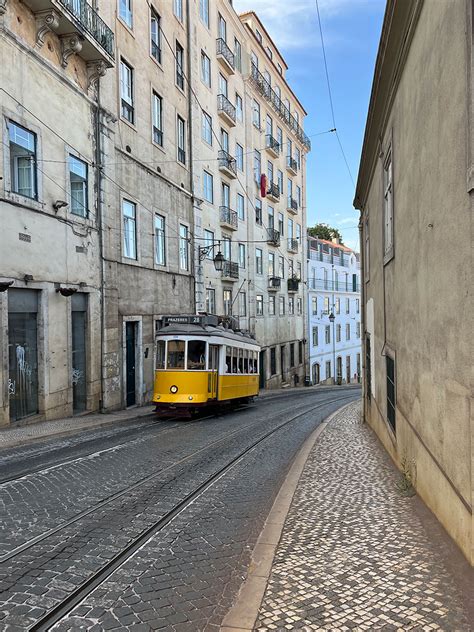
[4, 285]
[204, 251]
[28, 277]
[59, 204]
[66, 291]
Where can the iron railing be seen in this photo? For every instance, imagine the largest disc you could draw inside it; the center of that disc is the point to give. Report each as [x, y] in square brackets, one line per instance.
[92, 23]
[273, 190]
[230, 270]
[292, 244]
[293, 204]
[274, 283]
[228, 216]
[227, 161]
[224, 50]
[265, 88]
[224, 105]
[273, 236]
[293, 284]
[333, 286]
[291, 164]
[272, 143]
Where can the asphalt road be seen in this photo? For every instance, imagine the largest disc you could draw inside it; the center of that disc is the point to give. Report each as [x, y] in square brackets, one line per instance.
[149, 526]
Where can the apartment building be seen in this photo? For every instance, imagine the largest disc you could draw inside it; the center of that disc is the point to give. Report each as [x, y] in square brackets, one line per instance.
[334, 312]
[415, 181]
[148, 212]
[50, 267]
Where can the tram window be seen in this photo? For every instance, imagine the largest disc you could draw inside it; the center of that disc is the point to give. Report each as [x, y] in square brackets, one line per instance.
[196, 355]
[160, 354]
[176, 354]
[255, 362]
[234, 359]
[228, 359]
[246, 361]
[241, 360]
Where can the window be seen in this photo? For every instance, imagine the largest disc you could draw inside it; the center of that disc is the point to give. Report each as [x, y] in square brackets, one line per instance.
[239, 108]
[327, 334]
[227, 295]
[326, 304]
[298, 195]
[271, 264]
[181, 131]
[314, 306]
[225, 195]
[269, 52]
[281, 267]
[391, 401]
[270, 171]
[348, 306]
[125, 12]
[208, 242]
[258, 261]
[176, 354]
[227, 248]
[357, 306]
[338, 333]
[155, 35]
[205, 69]
[257, 165]
[348, 331]
[279, 138]
[223, 85]
[358, 329]
[126, 92]
[281, 224]
[238, 55]
[242, 303]
[178, 9]
[269, 125]
[254, 59]
[179, 66]
[388, 206]
[204, 12]
[280, 69]
[366, 250]
[298, 268]
[271, 306]
[315, 336]
[258, 212]
[282, 305]
[23, 161]
[210, 301]
[289, 192]
[271, 217]
[291, 305]
[259, 305]
[273, 364]
[338, 305]
[259, 35]
[280, 181]
[222, 27]
[239, 156]
[292, 354]
[208, 187]
[183, 247]
[129, 211]
[240, 206]
[207, 128]
[242, 256]
[160, 237]
[328, 370]
[157, 107]
[256, 114]
[78, 183]
[298, 156]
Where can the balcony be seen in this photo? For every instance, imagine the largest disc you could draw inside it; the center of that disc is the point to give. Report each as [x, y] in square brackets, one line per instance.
[292, 206]
[293, 284]
[274, 283]
[225, 56]
[272, 97]
[292, 245]
[226, 110]
[230, 271]
[291, 165]
[273, 237]
[272, 146]
[79, 27]
[228, 218]
[273, 192]
[227, 164]
[333, 286]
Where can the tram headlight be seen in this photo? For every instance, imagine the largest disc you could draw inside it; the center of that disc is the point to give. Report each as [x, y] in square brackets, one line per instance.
[190, 397]
[173, 389]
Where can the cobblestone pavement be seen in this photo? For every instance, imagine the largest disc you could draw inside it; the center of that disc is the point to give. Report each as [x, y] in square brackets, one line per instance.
[353, 553]
[196, 564]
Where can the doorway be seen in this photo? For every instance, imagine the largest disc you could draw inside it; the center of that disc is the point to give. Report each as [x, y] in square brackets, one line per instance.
[130, 361]
[213, 370]
[339, 370]
[79, 328]
[261, 383]
[316, 373]
[348, 369]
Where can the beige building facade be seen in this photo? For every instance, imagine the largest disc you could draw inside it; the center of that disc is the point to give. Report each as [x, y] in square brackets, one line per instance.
[415, 193]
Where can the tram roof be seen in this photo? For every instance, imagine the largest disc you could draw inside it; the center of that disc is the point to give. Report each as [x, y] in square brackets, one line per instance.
[205, 331]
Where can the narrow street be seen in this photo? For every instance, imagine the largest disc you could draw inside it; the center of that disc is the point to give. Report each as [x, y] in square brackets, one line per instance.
[151, 524]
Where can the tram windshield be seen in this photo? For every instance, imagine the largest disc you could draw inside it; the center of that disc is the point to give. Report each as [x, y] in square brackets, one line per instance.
[176, 354]
[197, 355]
[160, 354]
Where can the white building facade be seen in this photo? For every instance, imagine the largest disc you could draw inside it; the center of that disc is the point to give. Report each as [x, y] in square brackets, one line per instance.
[334, 329]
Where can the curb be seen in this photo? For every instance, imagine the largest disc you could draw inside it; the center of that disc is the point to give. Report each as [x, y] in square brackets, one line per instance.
[243, 614]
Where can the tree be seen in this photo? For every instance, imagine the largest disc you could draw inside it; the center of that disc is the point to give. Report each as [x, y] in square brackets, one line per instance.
[323, 231]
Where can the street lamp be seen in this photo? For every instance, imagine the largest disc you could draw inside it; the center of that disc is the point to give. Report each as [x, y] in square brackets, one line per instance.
[204, 251]
[332, 318]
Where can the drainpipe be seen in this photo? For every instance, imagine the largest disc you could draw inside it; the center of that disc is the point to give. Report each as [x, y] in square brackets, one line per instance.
[363, 316]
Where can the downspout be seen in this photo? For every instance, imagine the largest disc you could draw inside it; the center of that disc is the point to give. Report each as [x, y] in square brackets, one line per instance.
[99, 180]
[362, 312]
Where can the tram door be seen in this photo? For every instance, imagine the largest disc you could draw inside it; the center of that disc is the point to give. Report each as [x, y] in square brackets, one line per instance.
[213, 370]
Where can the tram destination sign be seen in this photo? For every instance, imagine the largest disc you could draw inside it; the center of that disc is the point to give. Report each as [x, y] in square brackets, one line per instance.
[192, 319]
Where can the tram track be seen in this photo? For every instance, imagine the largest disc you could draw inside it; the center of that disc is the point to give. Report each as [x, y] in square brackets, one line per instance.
[63, 607]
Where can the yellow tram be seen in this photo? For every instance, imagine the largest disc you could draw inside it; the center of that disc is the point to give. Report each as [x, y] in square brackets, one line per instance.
[200, 362]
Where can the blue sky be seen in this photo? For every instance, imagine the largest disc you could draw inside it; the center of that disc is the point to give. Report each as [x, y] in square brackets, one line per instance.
[351, 30]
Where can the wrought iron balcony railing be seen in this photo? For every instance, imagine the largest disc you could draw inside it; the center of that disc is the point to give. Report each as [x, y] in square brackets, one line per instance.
[92, 23]
[333, 286]
[273, 190]
[230, 270]
[273, 236]
[292, 205]
[267, 91]
[292, 244]
[223, 50]
[225, 106]
[228, 216]
[226, 161]
[291, 164]
[293, 284]
[274, 283]
[272, 144]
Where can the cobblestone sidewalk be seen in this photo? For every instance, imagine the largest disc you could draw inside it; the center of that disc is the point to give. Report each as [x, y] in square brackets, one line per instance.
[354, 554]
